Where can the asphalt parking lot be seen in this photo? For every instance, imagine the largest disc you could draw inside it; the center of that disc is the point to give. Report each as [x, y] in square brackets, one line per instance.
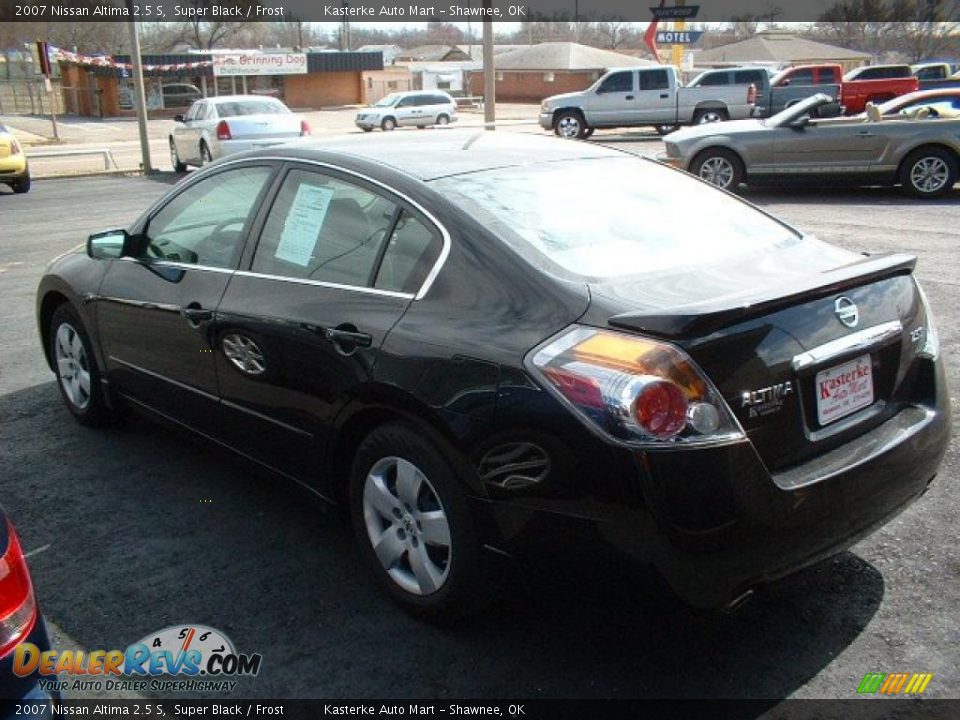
[137, 528]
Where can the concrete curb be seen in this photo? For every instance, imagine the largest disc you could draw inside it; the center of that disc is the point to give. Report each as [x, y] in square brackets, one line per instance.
[90, 173]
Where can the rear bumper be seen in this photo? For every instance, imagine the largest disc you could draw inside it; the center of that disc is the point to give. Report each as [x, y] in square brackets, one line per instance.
[676, 162]
[13, 170]
[715, 523]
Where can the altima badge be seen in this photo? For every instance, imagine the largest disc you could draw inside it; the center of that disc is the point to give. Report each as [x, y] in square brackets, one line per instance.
[846, 311]
[766, 401]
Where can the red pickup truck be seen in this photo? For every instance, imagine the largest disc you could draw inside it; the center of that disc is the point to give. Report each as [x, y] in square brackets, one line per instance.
[852, 94]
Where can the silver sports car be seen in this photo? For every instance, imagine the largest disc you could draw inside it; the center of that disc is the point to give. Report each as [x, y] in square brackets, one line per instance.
[919, 151]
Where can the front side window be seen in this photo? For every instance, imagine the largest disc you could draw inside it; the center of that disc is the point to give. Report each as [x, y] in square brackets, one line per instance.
[325, 229]
[618, 82]
[407, 102]
[207, 222]
[801, 77]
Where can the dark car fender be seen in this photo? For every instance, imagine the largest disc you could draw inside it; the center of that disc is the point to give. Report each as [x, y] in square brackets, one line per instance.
[74, 278]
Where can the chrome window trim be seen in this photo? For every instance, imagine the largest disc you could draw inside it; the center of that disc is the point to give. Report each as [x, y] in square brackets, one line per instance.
[321, 283]
[860, 340]
[444, 233]
[177, 265]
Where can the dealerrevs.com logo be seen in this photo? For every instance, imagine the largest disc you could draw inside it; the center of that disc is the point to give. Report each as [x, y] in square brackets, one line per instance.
[203, 657]
[894, 683]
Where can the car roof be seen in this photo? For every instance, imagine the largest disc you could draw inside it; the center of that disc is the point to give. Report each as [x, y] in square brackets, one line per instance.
[240, 98]
[442, 153]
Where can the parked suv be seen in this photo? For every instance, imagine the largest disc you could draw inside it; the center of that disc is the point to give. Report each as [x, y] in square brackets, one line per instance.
[408, 108]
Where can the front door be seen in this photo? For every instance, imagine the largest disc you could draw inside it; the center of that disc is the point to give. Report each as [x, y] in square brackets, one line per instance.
[156, 311]
[828, 147]
[337, 263]
[614, 102]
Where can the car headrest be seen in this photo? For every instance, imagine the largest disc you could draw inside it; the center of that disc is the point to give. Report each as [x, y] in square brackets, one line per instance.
[873, 113]
[346, 217]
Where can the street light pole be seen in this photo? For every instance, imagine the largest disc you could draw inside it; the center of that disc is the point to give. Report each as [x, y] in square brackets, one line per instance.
[489, 71]
[138, 93]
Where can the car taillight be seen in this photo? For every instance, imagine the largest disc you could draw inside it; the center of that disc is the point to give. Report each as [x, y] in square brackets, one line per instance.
[15, 148]
[18, 610]
[223, 131]
[633, 389]
[752, 94]
[304, 128]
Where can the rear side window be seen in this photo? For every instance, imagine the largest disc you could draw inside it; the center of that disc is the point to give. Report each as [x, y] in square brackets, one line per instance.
[828, 76]
[411, 253]
[654, 80]
[802, 77]
[746, 77]
[323, 228]
[618, 82]
[715, 79]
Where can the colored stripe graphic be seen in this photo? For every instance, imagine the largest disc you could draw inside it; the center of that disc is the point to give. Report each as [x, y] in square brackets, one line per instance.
[894, 683]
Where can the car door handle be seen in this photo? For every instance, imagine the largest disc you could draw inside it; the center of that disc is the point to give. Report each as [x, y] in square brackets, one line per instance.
[195, 314]
[865, 133]
[629, 97]
[347, 336]
[664, 96]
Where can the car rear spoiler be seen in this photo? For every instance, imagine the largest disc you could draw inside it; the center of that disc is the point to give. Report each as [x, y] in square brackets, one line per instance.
[699, 320]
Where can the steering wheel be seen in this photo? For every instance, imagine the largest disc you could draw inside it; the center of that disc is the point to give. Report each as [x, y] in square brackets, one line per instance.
[219, 244]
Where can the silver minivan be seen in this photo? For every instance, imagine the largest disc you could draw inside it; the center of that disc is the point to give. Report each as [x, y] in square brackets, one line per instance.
[419, 108]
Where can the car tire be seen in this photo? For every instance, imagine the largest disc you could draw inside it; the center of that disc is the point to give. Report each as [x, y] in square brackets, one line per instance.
[570, 124]
[205, 156]
[929, 172]
[720, 167]
[178, 166]
[388, 124]
[443, 119]
[702, 117]
[666, 129]
[366, 129]
[400, 477]
[21, 185]
[75, 365]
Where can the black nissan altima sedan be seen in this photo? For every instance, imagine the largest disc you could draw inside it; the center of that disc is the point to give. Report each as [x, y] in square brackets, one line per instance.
[500, 342]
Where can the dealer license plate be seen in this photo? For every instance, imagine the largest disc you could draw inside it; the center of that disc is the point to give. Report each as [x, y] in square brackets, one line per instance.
[844, 389]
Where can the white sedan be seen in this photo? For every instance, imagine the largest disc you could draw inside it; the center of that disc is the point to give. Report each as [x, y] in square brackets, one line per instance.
[219, 126]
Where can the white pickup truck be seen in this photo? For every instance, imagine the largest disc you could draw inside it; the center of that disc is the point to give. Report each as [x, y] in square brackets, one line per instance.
[648, 95]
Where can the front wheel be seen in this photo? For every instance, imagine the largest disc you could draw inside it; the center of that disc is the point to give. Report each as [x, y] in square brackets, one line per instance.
[719, 167]
[443, 119]
[929, 172]
[413, 525]
[78, 375]
[178, 166]
[570, 125]
[388, 124]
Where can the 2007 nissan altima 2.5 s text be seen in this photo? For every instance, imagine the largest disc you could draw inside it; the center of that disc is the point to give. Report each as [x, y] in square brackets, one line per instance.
[501, 342]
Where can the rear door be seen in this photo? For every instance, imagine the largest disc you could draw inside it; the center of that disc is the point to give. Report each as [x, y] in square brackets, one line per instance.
[338, 261]
[155, 312]
[656, 103]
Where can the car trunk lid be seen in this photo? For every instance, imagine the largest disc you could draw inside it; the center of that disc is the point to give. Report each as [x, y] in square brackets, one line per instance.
[267, 126]
[783, 350]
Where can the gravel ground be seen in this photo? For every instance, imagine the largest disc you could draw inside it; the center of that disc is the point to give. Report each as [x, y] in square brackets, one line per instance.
[144, 528]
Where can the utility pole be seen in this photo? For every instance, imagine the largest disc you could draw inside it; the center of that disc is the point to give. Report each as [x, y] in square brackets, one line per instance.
[489, 71]
[139, 95]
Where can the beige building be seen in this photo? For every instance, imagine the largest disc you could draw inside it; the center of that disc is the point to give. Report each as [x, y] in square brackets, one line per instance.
[775, 47]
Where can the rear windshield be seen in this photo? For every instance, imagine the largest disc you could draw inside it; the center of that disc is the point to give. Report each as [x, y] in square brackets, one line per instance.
[605, 218]
[250, 107]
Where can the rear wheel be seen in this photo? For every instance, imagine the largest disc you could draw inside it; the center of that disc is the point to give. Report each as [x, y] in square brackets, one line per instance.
[571, 125]
[719, 167]
[666, 129]
[21, 185]
[78, 376]
[205, 157]
[412, 523]
[702, 117]
[388, 124]
[175, 159]
[929, 172]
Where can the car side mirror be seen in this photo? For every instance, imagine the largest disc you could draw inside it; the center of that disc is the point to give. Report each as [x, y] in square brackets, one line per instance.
[178, 118]
[784, 82]
[110, 244]
[800, 123]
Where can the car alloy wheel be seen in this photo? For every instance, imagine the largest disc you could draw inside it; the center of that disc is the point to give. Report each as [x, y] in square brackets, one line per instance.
[73, 368]
[710, 116]
[717, 171]
[388, 124]
[443, 120]
[568, 127]
[407, 525]
[929, 174]
[205, 157]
